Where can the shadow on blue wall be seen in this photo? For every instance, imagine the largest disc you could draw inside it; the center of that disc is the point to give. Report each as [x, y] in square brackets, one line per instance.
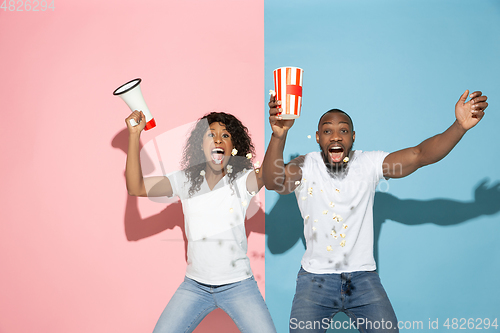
[386, 207]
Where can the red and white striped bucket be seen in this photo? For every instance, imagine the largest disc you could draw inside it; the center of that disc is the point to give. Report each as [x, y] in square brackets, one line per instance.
[288, 87]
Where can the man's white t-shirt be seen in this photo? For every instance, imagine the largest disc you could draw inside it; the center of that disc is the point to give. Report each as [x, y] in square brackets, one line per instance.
[338, 213]
[215, 228]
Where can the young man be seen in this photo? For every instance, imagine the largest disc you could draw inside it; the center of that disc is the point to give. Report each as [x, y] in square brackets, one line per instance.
[335, 190]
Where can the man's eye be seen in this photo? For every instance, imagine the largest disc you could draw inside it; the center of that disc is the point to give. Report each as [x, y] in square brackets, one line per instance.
[344, 131]
[327, 131]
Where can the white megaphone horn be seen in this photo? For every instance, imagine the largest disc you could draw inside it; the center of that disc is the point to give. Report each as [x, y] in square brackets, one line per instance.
[131, 94]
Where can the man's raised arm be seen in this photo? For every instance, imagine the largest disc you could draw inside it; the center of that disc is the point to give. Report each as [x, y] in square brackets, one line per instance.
[404, 162]
[277, 176]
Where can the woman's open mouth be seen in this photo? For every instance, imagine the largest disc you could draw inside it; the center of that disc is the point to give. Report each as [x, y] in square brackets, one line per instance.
[217, 155]
[336, 154]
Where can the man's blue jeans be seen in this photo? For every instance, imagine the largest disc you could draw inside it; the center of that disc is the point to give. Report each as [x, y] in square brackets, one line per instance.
[360, 295]
[192, 301]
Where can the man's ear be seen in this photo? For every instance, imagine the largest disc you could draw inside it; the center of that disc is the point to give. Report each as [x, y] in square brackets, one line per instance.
[353, 136]
[317, 136]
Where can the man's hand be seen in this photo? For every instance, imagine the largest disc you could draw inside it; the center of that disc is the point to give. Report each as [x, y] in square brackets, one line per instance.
[278, 125]
[470, 113]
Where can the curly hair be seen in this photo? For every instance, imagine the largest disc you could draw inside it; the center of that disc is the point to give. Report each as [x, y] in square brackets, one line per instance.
[193, 158]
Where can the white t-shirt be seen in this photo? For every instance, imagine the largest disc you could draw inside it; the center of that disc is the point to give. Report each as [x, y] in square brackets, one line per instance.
[215, 229]
[338, 213]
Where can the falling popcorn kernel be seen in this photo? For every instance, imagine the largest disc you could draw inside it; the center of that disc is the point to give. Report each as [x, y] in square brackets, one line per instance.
[234, 151]
[325, 212]
[334, 216]
[272, 92]
[304, 180]
[314, 228]
[229, 168]
[252, 193]
[307, 217]
[333, 233]
[230, 210]
[297, 182]
[202, 173]
[310, 191]
[344, 226]
[308, 136]
[346, 159]
[335, 236]
[329, 248]
[244, 203]
[315, 221]
[304, 198]
[257, 170]
[339, 218]
[338, 191]
[342, 243]
[249, 155]
[342, 235]
[332, 204]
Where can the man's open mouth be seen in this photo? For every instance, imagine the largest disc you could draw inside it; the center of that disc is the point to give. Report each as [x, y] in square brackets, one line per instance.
[336, 153]
[217, 155]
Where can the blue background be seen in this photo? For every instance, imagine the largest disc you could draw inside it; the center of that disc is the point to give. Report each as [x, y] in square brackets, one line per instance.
[398, 68]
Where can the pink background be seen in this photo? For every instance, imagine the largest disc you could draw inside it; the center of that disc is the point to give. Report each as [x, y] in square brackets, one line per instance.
[77, 254]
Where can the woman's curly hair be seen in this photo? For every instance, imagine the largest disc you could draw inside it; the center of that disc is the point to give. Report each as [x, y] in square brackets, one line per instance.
[193, 158]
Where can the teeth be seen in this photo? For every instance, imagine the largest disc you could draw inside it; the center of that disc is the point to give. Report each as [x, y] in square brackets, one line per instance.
[217, 151]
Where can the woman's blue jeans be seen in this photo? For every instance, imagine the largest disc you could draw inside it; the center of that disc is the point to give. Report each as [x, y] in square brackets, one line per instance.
[192, 301]
[360, 295]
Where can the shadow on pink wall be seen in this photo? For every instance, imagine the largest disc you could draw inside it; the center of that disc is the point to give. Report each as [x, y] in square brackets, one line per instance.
[137, 228]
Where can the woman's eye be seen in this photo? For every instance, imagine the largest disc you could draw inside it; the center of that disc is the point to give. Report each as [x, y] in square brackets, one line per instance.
[225, 136]
[211, 135]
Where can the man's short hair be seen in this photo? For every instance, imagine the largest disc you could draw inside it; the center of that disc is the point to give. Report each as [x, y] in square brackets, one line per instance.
[339, 111]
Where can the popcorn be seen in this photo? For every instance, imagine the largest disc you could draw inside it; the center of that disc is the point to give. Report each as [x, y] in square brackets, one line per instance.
[202, 173]
[297, 182]
[342, 243]
[314, 228]
[308, 136]
[272, 92]
[252, 193]
[230, 210]
[331, 204]
[346, 159]
[325, 212]
[234, 151]
[334, 216]
[344, 226]
[256, 164]
[339, 218]
[307, 217]
[229, 168]
[342, 235]
[257, 170]
[310, 191]
[315, 221]
[338, 191]
[249, 155]
[335, 236]
[333, 233]
[244, 203]
[329, 248]
[304, 198]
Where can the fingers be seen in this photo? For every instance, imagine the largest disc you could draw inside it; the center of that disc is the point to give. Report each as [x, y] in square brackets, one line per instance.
[463, 98]
[475, 94]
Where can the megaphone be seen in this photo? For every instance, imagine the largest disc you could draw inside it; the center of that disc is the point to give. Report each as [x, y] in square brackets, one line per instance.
[131, 94]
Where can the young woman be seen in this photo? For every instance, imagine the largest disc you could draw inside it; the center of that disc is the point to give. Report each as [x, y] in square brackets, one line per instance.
[215, 185]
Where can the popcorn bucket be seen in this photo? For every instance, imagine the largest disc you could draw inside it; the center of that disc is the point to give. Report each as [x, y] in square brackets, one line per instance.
[288, 87]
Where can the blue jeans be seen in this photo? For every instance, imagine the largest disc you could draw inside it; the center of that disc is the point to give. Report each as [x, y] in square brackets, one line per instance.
[359, 295]
[192, 301]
